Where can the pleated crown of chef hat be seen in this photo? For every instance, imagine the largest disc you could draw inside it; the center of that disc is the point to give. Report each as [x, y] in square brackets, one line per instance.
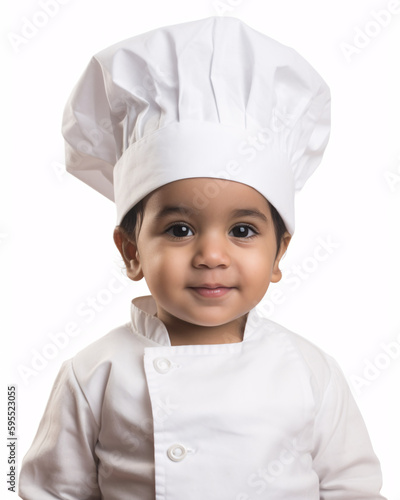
[208, 98]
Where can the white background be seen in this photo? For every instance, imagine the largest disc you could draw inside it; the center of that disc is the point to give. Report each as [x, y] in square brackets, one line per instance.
[56, 246]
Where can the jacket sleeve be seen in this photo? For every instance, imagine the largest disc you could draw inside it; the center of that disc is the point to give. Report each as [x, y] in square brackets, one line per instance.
[61, 463]
[343, 456]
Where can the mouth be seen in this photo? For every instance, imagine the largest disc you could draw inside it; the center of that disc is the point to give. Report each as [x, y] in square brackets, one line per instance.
[211, 290]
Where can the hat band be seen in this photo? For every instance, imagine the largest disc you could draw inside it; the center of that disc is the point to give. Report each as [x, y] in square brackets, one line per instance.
[190, 149]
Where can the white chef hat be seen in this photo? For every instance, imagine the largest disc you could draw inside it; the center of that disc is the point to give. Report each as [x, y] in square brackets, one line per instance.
[208, 98]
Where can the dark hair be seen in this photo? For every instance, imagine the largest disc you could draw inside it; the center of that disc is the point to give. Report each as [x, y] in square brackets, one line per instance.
[132, 222]
[279, 226]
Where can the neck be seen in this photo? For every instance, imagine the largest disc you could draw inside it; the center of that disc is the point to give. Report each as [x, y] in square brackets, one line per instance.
[183, 333]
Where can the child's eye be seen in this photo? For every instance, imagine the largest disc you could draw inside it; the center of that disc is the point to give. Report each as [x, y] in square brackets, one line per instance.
[179, 231]
[242, 231]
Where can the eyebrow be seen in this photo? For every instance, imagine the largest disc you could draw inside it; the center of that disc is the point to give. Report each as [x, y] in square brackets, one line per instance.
[253, 212]
[182, 210]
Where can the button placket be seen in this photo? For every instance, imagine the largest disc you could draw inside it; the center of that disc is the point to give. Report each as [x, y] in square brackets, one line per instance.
[176, 452]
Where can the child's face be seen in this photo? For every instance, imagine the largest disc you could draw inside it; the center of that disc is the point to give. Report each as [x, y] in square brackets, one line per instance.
[206, 266]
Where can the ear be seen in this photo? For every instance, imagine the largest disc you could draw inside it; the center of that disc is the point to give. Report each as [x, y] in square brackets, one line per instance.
[276, 272]
[128, 249]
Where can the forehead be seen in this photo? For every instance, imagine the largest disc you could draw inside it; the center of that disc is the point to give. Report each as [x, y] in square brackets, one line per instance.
[207, 195]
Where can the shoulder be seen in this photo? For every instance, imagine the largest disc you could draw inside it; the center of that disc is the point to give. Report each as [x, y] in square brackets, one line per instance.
[318, 366]
[117, 351]
[108, 349]
[101, 369]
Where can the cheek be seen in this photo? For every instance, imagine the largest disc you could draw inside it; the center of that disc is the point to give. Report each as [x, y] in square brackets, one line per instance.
[160, 263]
[257, 266]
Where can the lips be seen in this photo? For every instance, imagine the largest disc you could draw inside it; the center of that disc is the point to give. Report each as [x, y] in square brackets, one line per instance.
[211, 290]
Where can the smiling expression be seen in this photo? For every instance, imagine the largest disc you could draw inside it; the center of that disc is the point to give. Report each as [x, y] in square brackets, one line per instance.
[206, 267]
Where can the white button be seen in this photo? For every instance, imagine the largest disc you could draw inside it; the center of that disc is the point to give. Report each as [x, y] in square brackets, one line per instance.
[176, 452]
[162, 365]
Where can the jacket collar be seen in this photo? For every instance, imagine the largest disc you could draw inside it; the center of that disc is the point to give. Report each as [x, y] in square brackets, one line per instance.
[145, 322]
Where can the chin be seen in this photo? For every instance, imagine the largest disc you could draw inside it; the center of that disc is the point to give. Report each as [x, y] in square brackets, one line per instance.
[212, 322]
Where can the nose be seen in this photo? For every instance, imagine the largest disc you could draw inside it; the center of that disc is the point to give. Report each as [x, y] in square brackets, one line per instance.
[211, 251]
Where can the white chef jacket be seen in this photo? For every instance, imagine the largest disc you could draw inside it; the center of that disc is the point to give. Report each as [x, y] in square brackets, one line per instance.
[132, 417]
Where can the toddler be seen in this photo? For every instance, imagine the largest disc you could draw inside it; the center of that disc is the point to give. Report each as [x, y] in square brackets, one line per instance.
[201, 133]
